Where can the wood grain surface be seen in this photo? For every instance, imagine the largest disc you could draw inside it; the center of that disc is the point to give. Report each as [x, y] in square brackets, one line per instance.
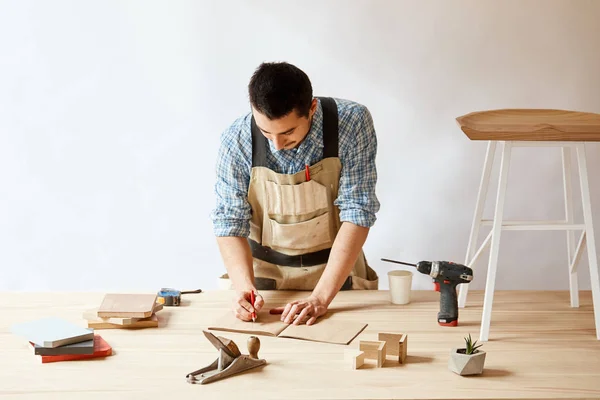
[539, 348]
[531, 125]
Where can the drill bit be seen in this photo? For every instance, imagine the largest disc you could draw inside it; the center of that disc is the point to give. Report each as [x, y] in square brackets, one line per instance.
[398, 262]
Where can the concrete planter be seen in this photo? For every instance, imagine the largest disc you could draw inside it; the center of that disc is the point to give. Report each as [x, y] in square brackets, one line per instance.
[463, 364]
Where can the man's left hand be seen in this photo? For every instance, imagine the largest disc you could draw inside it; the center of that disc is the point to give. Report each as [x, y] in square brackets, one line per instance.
[298, 311]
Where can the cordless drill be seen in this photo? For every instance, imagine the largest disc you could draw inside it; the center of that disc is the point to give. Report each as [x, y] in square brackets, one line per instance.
[446, 275]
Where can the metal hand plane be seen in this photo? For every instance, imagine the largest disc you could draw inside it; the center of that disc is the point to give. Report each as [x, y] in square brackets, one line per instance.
[230, 361]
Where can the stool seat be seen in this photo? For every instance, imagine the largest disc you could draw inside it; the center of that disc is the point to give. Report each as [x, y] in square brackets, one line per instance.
[531, 125]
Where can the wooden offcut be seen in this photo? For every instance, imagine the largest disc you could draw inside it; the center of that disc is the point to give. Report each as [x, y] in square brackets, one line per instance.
[127, 305]
[355, 358]
[403, 349]
[99, 323]
[92, 315]
[531, 125]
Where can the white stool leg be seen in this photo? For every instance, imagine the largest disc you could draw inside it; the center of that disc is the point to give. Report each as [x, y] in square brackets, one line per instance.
[589, 232]
[573, 283]
[476, 224]
[495, 245]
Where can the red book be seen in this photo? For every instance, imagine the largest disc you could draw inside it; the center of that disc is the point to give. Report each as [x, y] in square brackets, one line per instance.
[101, 349]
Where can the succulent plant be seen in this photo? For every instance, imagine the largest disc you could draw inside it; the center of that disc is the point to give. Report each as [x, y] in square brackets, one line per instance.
[471, 347]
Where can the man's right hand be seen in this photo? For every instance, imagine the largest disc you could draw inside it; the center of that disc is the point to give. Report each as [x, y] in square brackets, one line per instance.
[242, 307]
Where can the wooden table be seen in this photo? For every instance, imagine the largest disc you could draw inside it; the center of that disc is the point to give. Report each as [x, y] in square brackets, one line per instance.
[542, 348]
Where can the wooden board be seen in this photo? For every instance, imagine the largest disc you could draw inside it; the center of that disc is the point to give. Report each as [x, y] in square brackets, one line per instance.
[531, 125]
[127, 305]
[92, 315]
[99, 323]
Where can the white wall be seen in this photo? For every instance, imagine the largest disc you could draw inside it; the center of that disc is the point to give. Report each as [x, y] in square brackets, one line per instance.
[110, 115]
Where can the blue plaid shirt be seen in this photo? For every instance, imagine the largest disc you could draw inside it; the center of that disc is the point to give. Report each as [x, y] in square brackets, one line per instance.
[356, 199]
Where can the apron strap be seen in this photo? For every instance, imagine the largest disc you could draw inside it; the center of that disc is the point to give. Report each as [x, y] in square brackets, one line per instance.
[330, 134]
[330, 127]
[259, 146]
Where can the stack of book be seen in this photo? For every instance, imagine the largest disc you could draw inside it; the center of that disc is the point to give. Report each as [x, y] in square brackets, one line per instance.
[54, 339]
[124, 311]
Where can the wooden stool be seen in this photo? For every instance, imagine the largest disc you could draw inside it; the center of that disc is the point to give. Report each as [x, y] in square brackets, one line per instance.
[529, 128]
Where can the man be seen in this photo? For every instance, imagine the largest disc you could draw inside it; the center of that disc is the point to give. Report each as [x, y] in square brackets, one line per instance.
[295, 195]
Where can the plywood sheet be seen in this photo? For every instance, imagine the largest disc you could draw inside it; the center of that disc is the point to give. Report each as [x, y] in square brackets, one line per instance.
[265, 325]
[328, 330]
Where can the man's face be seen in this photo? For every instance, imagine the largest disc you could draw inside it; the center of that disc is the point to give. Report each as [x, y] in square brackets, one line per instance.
[286, 132]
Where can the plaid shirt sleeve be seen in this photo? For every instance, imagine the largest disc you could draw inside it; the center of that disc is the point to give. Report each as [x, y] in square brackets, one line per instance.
[356, 199]
[232, 213]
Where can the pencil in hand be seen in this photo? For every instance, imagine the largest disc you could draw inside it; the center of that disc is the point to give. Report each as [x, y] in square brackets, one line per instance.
[252, 299]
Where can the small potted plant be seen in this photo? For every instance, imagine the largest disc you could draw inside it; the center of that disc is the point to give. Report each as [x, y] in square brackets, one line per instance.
[468, 360]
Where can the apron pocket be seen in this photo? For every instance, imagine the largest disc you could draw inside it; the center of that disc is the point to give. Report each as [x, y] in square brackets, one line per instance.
[296, 203]
[307, 236]
[369, 282]
[359, 283]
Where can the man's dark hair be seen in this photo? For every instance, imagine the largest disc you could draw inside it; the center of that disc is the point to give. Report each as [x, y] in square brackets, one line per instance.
[276, 89]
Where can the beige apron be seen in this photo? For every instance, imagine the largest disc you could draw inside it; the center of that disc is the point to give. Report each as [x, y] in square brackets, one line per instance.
[294, 221]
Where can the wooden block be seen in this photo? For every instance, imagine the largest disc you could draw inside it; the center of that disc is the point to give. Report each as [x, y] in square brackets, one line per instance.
[356, 358]
[392, 342]
[98, 323]
[374, 350]
[127, 305]
[403, 349]
[396, 344]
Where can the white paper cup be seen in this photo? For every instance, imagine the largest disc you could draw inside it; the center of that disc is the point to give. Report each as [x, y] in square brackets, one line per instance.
[400, 286]
[224, 283]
